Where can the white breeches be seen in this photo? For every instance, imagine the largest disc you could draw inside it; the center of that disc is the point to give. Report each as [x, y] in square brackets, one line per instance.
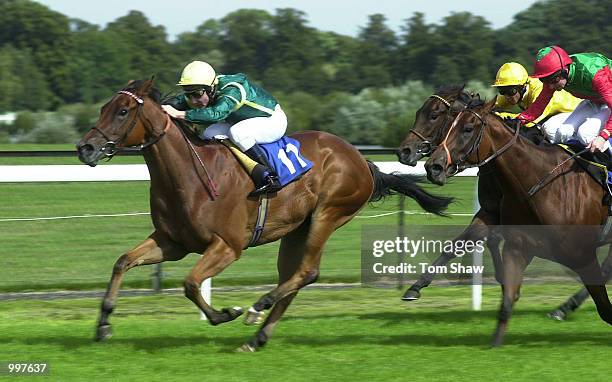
[584, 123]
[247, 133]
[554, 129]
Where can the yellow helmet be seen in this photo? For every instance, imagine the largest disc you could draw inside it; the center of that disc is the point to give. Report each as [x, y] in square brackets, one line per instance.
[198, 73]
[511, 73]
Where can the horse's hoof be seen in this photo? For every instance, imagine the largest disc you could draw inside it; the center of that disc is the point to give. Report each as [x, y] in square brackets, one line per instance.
[226, 315]
[103, 332]
[557, 315]
[254, 317]
[233, 313]
[411, 295]
[246, 348]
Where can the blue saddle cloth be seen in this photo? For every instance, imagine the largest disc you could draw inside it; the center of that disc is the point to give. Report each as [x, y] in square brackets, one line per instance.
[284, 155]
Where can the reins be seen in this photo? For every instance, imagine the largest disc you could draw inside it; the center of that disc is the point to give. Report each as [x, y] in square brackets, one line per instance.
[111, 147]
[459, 166]
[544, 181]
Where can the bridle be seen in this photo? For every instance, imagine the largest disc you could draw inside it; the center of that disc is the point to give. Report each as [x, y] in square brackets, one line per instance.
[459, 164]
[426, 147]
[111, 147]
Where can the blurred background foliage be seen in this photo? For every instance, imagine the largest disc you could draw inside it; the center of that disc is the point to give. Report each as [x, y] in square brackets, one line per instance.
[56, 72]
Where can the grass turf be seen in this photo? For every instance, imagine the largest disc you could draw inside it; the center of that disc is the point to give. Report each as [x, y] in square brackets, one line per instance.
[79, 253]
[356, 334]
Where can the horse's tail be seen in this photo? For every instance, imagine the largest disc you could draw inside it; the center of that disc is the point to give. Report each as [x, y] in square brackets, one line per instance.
[406, 184]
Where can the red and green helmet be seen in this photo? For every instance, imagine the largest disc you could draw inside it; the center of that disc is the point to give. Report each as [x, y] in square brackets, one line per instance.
[550, 60]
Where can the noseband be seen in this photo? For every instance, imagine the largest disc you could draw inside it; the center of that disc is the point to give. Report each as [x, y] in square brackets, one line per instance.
[111, 147]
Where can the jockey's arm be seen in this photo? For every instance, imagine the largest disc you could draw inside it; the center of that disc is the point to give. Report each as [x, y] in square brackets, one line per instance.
[225, 104]
[537, 108]
[602, 84]
[178, 102]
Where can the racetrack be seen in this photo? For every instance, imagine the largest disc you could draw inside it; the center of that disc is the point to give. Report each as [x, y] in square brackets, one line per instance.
[328, 334]
[356, 334]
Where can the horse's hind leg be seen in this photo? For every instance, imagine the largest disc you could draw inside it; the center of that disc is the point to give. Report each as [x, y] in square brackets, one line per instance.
[153, 250]
[594, 280]
[308, 269]
[579, 297]
[217, 256]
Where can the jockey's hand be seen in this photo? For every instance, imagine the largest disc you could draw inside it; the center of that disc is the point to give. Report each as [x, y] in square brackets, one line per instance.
[173, 112]
[597, 144]
[513, 122]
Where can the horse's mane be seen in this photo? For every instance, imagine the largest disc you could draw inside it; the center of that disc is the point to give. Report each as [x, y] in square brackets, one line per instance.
[156, 95]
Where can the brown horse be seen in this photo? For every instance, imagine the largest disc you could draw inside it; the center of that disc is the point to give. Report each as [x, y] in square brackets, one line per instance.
[568, 211]
[430, 126]
[199, 203]
[431, 123]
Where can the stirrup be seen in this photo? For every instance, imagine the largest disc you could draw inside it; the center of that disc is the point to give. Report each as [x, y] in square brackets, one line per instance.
[272, 185]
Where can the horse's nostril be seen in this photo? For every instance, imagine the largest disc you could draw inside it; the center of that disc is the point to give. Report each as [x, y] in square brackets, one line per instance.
[85, 150]
[436, 169]
[403, 155]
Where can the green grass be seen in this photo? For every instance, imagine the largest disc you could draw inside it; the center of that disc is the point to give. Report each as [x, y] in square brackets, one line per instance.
[356, 334]
[80, 253]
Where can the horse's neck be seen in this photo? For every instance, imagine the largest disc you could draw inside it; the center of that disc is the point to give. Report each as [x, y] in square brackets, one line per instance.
[523, 164]
[171, 159]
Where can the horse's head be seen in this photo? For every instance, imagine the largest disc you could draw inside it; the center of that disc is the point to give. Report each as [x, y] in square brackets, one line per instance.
[122, 123]
[431, 121]
[463, 145]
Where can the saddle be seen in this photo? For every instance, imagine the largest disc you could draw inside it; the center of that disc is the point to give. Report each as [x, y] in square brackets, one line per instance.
[283, 155]
[596, 164]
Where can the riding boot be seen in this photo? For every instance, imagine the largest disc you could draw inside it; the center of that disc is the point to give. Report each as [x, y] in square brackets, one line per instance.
[266, 180]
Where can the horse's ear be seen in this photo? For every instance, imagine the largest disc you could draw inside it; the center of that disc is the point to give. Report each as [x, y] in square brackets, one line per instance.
[488, 107]
[147, 85]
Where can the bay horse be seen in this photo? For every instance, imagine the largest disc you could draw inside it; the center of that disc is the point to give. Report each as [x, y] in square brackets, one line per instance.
[199, 204]
[431, 123]
[568, 210]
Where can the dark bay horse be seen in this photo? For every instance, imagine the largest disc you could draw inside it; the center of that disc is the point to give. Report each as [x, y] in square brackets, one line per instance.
[199, 203]
[568, 210]
[431, 123]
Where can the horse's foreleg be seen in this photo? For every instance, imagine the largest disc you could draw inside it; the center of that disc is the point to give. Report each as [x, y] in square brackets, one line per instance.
[478, 229]
[217, 256]
[579, 297]
[289, 259]
[515, 262]
[153, 250]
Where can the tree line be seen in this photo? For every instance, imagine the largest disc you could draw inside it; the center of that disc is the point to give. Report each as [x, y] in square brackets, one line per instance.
[324, 80]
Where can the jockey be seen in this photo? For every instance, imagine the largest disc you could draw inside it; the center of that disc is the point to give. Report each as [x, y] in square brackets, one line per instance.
[586, 76]
[235, 108]
[516, 88]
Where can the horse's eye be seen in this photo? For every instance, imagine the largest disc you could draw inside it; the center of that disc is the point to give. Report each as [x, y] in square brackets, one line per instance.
[433, 116]
[468, 128]
[123, 112]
